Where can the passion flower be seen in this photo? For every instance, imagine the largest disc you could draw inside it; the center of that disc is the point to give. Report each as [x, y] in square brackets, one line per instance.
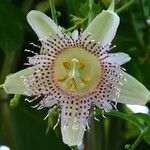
[75, 72]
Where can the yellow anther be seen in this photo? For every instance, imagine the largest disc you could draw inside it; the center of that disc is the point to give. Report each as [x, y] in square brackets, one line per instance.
[61, 79]
[82, 64]
[66, 64]
[86, 80]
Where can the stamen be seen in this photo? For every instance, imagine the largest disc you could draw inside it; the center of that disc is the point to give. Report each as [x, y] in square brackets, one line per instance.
[66, 64]
[82, 64]
[86, 80]
[61, 79]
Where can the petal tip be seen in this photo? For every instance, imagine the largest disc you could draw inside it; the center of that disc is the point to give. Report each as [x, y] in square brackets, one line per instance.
[104, 27]
[42, 24]
[32, 13]
[128, 58]
[133, 92]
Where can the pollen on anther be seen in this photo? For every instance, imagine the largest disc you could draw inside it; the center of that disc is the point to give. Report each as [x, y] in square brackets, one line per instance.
[86, 80]
[66, 64]
[82, 64]
[61, 79]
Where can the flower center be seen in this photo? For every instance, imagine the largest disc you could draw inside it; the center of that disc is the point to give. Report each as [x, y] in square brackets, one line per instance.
[76, 70]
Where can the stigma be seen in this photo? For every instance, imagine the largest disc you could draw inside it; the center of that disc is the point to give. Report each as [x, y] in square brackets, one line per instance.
[73, 81]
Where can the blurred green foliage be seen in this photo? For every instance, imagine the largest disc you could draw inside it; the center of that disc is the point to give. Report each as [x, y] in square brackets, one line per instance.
[23, 128]
[11, 27]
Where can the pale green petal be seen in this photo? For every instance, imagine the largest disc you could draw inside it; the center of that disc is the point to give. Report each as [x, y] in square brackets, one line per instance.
[70, 135]
[103, 28]
[118, 58]
[14, 82]
[42, 24]
[133, 91]
[73, 133]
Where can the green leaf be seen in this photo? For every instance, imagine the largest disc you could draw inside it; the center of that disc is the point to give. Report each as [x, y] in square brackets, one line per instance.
[84, 8]
[87, 7]
[11, 27]
[127, 117]
[140, 120]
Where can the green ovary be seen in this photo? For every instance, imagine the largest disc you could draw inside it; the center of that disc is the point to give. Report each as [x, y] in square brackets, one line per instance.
[76, 70]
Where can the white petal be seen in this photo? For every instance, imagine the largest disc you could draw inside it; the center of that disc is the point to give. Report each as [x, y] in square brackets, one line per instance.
[73, 133]
[38, 59]
[106, 105]
[133, 91]
[75, 34]
[42, 24]
[103, 28]
[14, 82]
[118, 58]
[48, 102]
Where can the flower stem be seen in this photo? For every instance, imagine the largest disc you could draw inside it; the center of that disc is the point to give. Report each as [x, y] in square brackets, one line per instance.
[136, 143]
[124, 7]
[1, 86]
[91, 13]
[112, 6]
[138, 140]
[76, 25]
[53, 10]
